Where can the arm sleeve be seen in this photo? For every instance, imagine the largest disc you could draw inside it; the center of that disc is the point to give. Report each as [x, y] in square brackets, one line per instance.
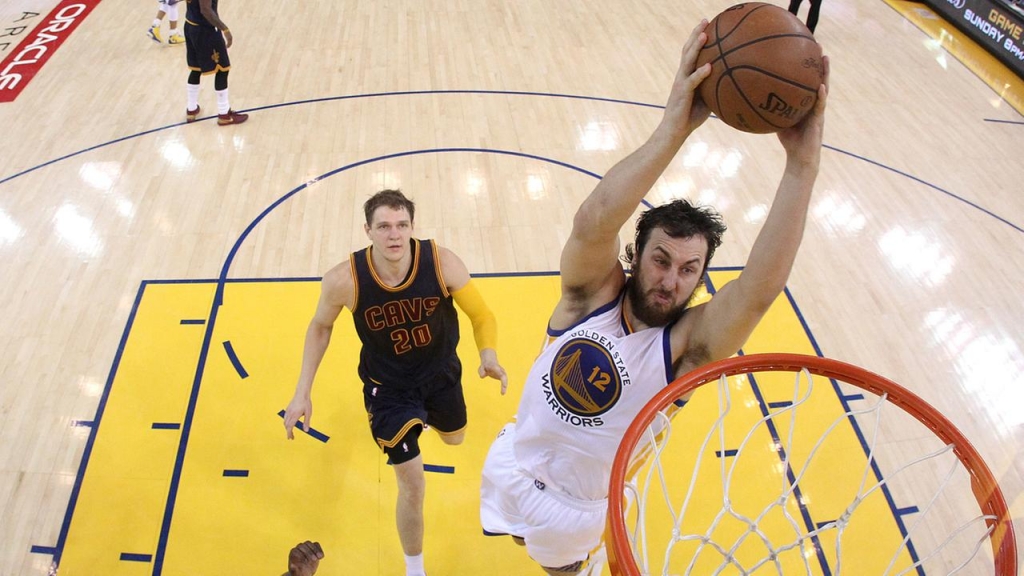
[485, 327]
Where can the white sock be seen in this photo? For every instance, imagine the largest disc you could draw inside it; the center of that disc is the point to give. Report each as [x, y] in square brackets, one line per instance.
[414, 565]
[174, 27]
[222, 101]
[156, 22]
[193, 96]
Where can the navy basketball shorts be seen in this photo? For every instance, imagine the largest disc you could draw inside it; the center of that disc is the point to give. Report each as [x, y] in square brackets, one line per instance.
[397, 414]
[205, 50]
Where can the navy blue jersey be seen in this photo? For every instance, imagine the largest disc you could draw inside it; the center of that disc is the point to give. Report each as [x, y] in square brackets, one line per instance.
[409, 332]
[194, 14]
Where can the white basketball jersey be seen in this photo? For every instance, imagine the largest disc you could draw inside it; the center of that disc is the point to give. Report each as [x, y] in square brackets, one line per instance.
[582, 393]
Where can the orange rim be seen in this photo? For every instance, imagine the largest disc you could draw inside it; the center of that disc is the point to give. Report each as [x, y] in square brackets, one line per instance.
[983, 483]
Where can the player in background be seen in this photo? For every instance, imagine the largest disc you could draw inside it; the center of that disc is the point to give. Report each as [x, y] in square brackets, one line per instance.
[170, 9]
[402, 293]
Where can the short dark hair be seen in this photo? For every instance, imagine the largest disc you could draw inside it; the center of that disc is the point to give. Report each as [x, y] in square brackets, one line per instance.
[679, 219]
[393, 199]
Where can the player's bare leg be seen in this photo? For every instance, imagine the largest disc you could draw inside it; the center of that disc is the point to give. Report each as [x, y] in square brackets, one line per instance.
[412, 485]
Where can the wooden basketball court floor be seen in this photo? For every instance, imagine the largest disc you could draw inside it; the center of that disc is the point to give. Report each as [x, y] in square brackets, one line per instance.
[158, 277]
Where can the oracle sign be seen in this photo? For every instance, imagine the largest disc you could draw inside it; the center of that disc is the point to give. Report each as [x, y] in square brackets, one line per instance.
[21, 65]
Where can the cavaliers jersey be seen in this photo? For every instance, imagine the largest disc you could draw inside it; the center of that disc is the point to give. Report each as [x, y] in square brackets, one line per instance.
[409, 332]
[583, 391]
[194, 14]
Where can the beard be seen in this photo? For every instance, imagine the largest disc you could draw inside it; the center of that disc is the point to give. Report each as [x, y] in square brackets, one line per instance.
[646, 310]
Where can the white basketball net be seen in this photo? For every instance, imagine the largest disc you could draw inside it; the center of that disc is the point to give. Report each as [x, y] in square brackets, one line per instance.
[935, 527]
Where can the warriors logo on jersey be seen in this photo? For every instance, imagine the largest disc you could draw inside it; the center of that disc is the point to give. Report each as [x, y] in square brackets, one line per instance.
[585, 378]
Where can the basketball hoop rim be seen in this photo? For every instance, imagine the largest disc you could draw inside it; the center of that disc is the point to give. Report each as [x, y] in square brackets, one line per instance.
[983, 482]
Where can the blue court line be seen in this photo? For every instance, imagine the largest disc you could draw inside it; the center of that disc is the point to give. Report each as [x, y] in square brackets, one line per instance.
[727, 453]
[166, 426]
[218, 300]
[196, 321]
[312, 431]
[82, 423]
[782, 404]
[439, 469]
[482, 92]
[805, 513]
[62, 538]
[851, 397]
[843, 400]
[43, 550]
[234, 360]
[236, 473]
[129, 557]
[908, 510]
[1017, 122]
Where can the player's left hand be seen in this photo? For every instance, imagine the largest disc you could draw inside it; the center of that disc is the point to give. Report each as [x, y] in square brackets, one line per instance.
[304, 559]
[803, 141]
[228, 39]
[489, 367]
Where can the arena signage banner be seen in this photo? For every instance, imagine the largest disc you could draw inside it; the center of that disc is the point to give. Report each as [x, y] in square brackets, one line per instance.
[28, 58]
[991, 24]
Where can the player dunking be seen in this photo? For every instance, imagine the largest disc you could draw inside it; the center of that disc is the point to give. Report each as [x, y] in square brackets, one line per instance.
[400, 291]
[207, 40]
[616, 339]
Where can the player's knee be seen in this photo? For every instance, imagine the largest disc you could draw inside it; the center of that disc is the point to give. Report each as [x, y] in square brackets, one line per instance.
[454, 439]
[412, 484]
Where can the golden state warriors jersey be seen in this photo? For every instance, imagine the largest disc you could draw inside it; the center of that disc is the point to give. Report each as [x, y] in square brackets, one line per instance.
[582, 393]
[409, 332]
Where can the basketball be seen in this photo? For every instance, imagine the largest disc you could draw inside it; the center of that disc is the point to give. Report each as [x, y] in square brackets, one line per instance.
[765, 68]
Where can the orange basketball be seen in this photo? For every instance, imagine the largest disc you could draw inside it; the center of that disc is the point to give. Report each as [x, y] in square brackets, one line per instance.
[765, 68]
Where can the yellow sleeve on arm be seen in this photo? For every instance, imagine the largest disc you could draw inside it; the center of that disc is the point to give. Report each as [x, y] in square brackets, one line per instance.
[485, 327]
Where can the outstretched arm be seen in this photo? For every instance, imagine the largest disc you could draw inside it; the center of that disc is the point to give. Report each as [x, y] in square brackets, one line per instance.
[485, 326]
[722, 326]
[336, 292]
[591, 274]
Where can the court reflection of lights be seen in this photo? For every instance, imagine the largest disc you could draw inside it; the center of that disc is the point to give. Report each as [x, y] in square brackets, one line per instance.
[90, 386]
[474, 184]
[838, 216]
[914, 256]
[756, 214]
[9, 231]
[100, 175]
[124, 206]
[535, 186]
[77, 231]
[599, 136]
[176, 153]
[695, 154]
[730, 163]
[990, 368]
[707, 197]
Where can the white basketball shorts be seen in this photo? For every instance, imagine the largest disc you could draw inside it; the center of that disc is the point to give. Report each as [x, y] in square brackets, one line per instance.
[558, 529]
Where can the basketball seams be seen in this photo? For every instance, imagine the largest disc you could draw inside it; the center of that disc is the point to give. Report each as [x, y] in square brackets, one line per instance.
[738, 22]
[724, 53]
[769, 73]
[755, 86]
